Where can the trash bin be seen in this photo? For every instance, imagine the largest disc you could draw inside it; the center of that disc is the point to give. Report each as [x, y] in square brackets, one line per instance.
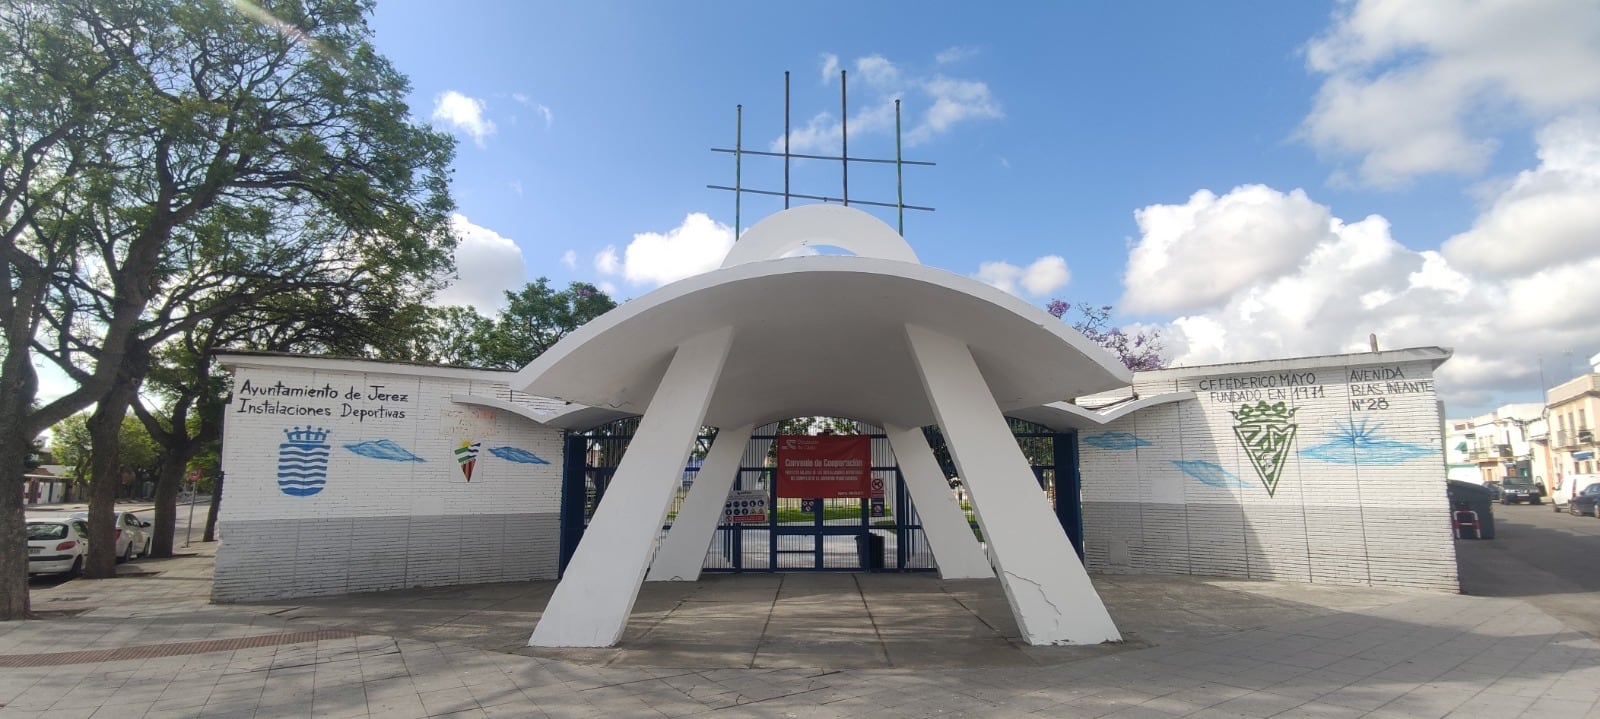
[1475, 498]
[870, 548]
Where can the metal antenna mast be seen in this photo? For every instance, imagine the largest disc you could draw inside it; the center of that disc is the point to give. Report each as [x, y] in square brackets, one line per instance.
[844, 159]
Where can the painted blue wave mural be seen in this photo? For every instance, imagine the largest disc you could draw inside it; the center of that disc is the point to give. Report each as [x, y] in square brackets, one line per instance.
[1360, 442]
[1116, 441]
[1210, 474]
[383, 449]
[516, 454]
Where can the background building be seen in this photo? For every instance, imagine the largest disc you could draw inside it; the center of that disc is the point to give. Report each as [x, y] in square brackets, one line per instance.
[1572, 411]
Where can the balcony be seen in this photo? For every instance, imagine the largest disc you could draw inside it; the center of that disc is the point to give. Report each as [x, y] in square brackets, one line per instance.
[1489, 454]
[1573, 439]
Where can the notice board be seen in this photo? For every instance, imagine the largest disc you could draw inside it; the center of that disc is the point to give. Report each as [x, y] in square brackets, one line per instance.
[824, 466]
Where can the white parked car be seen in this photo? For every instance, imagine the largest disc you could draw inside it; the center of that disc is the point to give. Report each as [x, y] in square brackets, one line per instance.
[133, 535]
[57, 546]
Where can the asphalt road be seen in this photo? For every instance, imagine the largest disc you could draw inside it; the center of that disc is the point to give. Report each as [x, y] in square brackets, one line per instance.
[142, 510]
[1550, 560]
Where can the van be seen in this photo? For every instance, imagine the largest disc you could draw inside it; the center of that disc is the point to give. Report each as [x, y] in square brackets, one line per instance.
[1570, 486]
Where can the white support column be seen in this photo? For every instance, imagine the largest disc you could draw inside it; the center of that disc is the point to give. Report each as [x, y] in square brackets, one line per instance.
[954, 547]
[1049, 591]
[590, 606]
[683, 550]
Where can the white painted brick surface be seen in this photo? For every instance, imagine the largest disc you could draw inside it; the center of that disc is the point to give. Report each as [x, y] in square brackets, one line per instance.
[383, 523]
[1369, 514]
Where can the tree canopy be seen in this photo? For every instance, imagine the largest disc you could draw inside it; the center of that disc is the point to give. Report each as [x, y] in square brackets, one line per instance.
[534, 320]
[171, 162]
[1138, 350]
[138, 458]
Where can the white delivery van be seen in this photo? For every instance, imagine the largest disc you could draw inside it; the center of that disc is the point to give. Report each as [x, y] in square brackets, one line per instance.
[1571, 485]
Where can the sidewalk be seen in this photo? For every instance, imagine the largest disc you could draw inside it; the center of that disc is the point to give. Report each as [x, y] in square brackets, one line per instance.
[149, 643]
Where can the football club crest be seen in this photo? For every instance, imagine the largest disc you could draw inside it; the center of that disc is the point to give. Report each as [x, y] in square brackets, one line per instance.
[303, 461]
[1266, 431]
[467, 457]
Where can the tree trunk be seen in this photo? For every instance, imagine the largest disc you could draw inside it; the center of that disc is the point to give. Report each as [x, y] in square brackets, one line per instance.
[19, 385]
[211, 514]
[13, 528]
[166, 521]
[105, 442]
[105, 452]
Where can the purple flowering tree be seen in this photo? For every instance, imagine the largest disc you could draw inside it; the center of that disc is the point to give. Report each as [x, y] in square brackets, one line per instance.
[1138, 351]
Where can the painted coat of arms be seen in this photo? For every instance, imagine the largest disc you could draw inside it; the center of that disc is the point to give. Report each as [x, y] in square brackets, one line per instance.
[1266, 431]
[303, 461]
[467, 457]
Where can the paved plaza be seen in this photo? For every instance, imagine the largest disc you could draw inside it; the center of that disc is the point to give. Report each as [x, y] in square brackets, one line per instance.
[150, 643]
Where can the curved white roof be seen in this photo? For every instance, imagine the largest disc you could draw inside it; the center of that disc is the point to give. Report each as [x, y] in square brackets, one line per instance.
[822, 335]
[1063, 416]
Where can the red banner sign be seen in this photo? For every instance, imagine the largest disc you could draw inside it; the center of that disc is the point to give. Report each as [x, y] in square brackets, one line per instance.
[824, 466]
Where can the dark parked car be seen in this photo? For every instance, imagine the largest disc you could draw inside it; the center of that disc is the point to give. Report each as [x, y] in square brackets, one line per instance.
[1494, 490]
[1586, 502]
[1515, 490]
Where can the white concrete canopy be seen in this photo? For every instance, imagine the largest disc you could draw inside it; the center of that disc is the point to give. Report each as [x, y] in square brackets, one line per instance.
[1065, 416]
[874, 337]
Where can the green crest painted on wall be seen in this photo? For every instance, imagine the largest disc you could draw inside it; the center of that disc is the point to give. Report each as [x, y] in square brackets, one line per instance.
[1266, 431]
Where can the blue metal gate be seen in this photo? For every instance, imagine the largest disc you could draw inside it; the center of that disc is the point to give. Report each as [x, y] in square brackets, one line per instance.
[798, 535]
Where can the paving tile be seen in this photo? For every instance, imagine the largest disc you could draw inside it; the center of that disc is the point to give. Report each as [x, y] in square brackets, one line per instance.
[838, 646]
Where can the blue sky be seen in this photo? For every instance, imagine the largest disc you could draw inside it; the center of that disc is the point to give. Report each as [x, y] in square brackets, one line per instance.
[1255, 179]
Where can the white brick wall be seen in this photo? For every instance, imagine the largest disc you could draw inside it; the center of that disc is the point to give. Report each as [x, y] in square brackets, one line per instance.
[1360, 498]
[381, 523]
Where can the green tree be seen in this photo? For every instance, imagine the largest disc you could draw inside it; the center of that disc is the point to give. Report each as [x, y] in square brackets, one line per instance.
[533, 321]
[138, 456]
[69, 444]
[169, 162]
[441, 335]
[188, 421]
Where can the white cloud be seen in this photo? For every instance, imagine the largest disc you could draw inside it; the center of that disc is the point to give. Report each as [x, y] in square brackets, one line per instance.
[569, 259]
[1415, 87]
[1046, 275]
[698, 245]
[1338, 282]
[1201, 253]
[878, 71]
[516, 186]
[1000, 274]
[931, 106]
[1039, 279]
[463, 114]
[954, 55]
[830, 67]
[1550, 214]
[953, 101]
[821, 133]
[606, 261]
[544, 112]
[53, 383]
[487, 265]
